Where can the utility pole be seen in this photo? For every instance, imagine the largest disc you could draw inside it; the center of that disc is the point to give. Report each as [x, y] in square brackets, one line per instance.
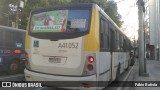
[17, 14]
[142, 62]
[158, 27]
[20, 5]
[158, 2]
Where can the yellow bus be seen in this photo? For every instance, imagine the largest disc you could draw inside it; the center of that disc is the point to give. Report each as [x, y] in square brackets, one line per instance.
[77, 42]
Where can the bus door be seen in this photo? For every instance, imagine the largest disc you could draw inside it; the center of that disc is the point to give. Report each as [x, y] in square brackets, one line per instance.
[112, 48]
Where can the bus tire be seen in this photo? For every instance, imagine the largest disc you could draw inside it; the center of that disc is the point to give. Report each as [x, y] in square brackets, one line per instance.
[13, 67]
[118, 72]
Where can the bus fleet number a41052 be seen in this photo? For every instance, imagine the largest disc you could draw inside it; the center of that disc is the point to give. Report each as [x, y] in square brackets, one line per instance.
[73, 45]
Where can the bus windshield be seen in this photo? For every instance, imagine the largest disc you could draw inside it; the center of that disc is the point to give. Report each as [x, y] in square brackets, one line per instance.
[60, 21]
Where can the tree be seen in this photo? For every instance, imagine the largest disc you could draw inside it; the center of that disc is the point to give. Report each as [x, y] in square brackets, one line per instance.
[110, 7]
[10, 7]
[112, 11]
[4, 12]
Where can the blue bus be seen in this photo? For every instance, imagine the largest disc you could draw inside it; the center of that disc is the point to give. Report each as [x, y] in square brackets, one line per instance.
[12, 52]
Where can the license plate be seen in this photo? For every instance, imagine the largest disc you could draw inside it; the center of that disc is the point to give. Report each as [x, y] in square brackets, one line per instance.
[55, 60]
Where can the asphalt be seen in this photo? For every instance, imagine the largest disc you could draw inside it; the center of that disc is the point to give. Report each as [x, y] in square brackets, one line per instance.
[153, 69]
[139, 82]
[17, 77]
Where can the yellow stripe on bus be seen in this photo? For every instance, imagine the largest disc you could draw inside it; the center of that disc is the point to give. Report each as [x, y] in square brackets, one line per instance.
[27, 41]
[27, 38]
[91, 41]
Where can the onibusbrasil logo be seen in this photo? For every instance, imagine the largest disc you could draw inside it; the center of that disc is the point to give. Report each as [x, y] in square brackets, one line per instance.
[20, 84]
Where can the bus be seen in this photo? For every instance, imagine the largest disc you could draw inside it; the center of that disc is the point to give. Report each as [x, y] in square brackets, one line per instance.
[12, 51]
[77, 42]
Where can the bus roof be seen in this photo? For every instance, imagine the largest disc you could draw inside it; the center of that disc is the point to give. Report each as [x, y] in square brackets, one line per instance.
[79, 5]
[11, 28]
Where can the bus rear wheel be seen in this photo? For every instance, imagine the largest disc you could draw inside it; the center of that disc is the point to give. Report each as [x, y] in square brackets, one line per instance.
[13, 67]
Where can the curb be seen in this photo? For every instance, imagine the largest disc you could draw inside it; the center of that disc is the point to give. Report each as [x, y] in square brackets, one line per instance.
[125, 79]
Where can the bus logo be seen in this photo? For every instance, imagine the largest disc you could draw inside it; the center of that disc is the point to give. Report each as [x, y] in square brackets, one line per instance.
[6, 84]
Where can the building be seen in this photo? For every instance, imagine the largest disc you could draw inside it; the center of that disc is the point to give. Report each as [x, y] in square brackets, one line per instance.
[151, 25]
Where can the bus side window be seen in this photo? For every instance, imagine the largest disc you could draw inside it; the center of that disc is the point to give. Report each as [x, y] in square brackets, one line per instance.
[102, 34]
[128, 46]
[112, 40]
[1, 38]
[106, 36]
[124, 45]
[118, 42]
[121, 42]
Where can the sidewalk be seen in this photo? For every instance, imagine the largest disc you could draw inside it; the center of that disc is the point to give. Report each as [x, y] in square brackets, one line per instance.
[153, 69]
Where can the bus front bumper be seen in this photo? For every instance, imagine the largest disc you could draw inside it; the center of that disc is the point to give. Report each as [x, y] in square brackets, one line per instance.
[68, 82]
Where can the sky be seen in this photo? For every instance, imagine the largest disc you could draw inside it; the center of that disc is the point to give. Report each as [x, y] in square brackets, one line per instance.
[129, 12]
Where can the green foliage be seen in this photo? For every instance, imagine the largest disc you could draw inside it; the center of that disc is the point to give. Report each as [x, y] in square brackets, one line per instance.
[83, 1]
[110, 7]
[7, 11]
[112, 11]
[4, 11]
